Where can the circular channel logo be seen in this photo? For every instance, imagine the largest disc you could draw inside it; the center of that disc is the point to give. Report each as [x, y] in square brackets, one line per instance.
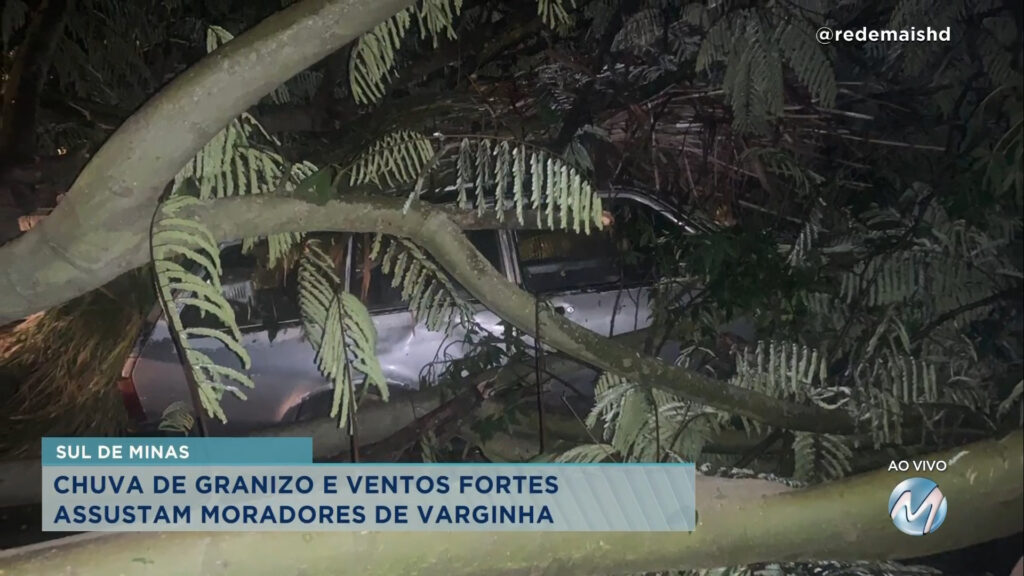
[917, 506]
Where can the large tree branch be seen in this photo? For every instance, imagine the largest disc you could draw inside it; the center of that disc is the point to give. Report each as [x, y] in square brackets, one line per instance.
[739, 522]
[440, 236]
[107, 209]
[22, 267]
[439, 231]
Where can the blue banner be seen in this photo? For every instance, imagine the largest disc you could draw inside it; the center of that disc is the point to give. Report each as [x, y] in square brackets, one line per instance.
[261, 486]
[176, 451]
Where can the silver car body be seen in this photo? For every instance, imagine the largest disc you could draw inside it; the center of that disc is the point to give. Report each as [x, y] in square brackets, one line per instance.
[288, 386]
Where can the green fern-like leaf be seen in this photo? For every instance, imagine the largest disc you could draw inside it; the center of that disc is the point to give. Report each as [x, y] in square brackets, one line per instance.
[645, 425]
[640, 31]
[429, 447]
[885, 385]
[808, 60]
[952, 266]
[241, 160]
[177, 418]
[217, 37]
[430, 294]
[499, 175]
[800, 252]
[437, 17]
[779, 368]
[340, 329]
[918, 56]
[587, 454]
[633, 423]
[397, 158]
[178, 240]
[820, 457]
[299, 89]
[753, 44]
[626, 410]
[553, 12]
[884, 379]
[718, 38]
[375, 55]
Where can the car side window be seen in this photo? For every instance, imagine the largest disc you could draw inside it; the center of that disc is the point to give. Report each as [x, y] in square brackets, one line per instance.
[381, 296]
[636, 229]
[259, 298]
[557, 260]
[561, 261]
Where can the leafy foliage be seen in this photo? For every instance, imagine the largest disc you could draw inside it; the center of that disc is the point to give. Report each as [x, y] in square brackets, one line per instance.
[177, 239]
[821, 457]
[502, 176]
[186, 257]
[300, 89]
[640, 30]
[754, 43]
[397, 158]
[337, 325]
[641, 424]
[862, 325]
[177, 418]
[875, 301]
[241, 160]
[375, 54]
[428, 291]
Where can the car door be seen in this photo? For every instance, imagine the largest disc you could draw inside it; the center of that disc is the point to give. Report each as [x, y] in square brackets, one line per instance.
[267, 315]
[602, 280]
[409, 352]
[599, 280]
[287, 384]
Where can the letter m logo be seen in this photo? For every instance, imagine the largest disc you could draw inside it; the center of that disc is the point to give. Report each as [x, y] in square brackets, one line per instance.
[926, 516]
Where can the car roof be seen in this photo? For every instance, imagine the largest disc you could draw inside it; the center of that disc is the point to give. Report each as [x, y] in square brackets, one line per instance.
[648, 199]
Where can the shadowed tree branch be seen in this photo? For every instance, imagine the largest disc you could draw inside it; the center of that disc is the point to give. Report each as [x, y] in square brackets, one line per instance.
[24, 84]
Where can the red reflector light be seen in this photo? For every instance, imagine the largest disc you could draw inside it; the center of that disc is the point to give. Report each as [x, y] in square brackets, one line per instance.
[129, 395]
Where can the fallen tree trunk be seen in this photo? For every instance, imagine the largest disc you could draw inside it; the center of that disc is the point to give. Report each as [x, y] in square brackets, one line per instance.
[739, 522]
